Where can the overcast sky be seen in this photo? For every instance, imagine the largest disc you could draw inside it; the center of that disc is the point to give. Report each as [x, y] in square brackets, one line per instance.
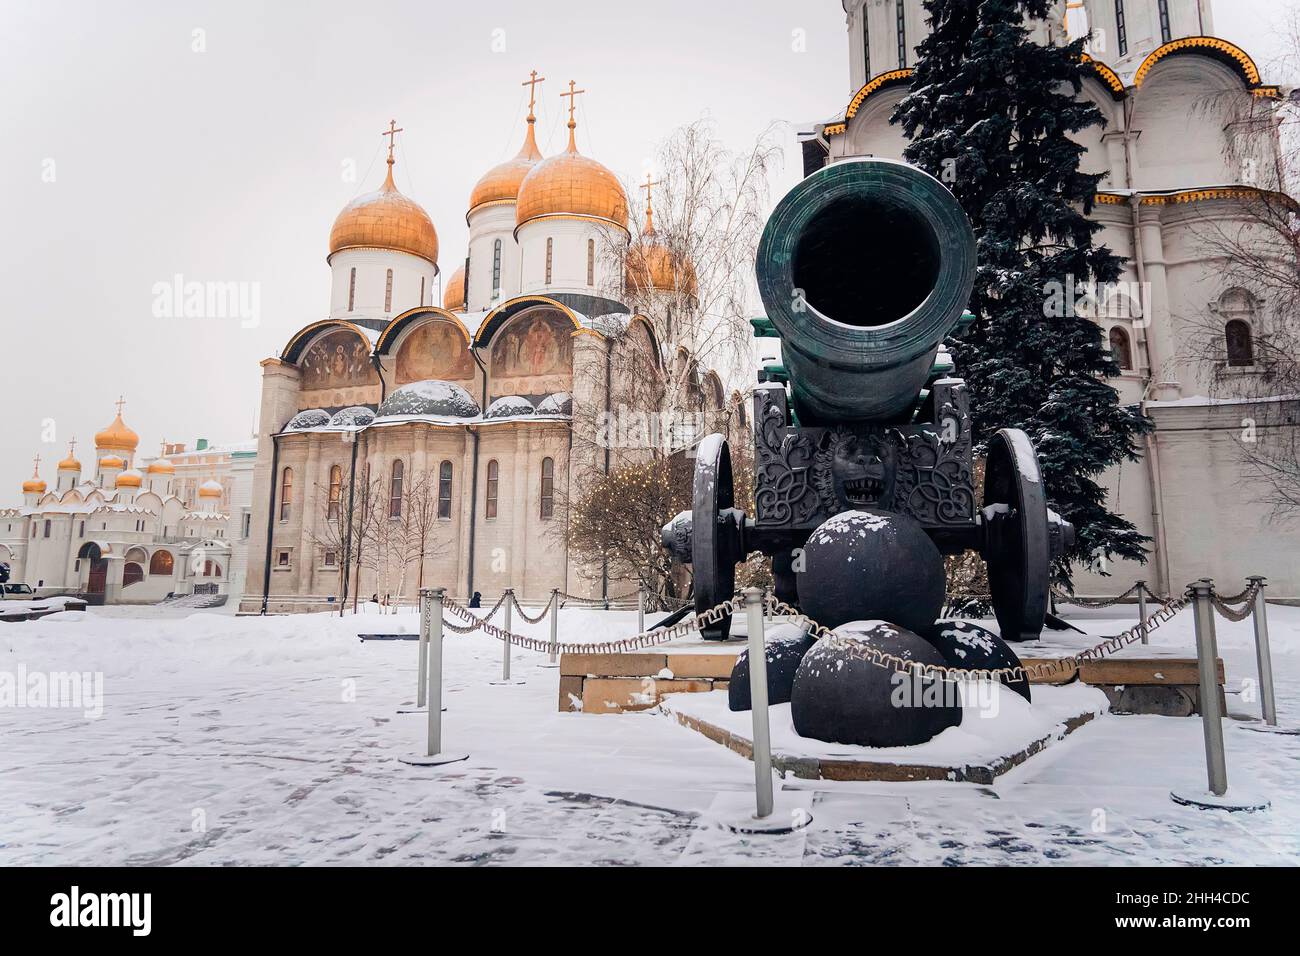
[128, 157]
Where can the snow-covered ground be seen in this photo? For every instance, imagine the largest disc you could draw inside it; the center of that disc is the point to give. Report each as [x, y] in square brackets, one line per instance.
[228, 740]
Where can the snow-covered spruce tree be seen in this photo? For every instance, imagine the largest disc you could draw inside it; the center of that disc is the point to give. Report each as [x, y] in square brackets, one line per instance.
[990, 112]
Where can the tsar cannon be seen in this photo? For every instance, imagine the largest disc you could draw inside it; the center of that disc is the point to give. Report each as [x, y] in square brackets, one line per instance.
[864, 268]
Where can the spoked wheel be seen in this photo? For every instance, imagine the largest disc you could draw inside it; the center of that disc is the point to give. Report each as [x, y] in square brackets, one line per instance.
[1017, 547]
[715, 532]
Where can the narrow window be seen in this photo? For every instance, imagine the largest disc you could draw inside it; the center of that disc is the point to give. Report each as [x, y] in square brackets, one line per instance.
[336, 489]
[1121, 28]
[1165, 33]
[47, 528]
[496, 269]
[866, 42]
[81, 530]
[1119, 348]
[591, 262]
[548, 487]
[491, 499]
[444, 490]
[352, 289]
[1241, 346]
[902, 35]
[395, 490]
[331, 559]
[388, 293]
[286, 494]
[421, 290]
[550, 248]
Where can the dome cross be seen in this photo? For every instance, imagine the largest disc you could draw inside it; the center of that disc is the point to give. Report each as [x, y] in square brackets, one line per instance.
[531, 83]
[391, 133]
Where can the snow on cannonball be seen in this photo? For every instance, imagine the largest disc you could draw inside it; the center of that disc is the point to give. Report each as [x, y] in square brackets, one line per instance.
[784, 647]
[843, 695]
[871, 565]
[975, 648]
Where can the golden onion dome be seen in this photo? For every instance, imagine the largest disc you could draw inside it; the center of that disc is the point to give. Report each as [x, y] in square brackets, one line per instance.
[128, 479]
[70, 463]
[161, 466]
[210, 489]
[652, 266]
[117, 437]
[501, 183]
[570, 184]
[34, 485]
[385, 220]
[109, 462]
[453, 297]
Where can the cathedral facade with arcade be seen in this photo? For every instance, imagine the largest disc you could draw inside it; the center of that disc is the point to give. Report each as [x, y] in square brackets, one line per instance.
[409, 442]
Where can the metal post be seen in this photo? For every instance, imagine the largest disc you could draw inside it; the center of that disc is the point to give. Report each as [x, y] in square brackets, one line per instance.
[1142, 609]
[758, 702]
[423, 677]
[435, 672]
[555, 624]
[640, 609]
[1207, 655]
[506, 644]
[1263, 656]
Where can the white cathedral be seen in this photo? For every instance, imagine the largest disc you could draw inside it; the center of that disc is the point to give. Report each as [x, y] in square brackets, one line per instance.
[1174, 96]
[407, 443]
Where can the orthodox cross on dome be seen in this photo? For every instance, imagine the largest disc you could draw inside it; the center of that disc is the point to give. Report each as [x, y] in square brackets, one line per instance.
[573, 101]
[531, 83]
[72, 448]
[121, 400]
[391, 133]
[649, 185]
[36, 467]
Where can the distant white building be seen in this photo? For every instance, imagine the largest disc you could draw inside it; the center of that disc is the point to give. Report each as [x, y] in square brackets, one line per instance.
[1191, 135]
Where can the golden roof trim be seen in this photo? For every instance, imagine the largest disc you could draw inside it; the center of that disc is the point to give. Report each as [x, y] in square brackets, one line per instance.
[879, 81]
[1249, 71]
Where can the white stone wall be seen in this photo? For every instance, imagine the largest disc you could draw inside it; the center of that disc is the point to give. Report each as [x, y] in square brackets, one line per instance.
[569, 252]
[487, 226]
[372, 267]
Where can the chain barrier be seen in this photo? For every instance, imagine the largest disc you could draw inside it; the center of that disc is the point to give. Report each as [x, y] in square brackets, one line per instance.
[1221, 604]
[524, 614]
[1104, 602]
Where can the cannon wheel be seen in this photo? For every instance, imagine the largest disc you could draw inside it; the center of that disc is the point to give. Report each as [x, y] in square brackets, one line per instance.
[715, 538]
[1016, 545]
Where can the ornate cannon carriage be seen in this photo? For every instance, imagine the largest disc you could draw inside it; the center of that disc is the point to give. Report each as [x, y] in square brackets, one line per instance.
[864, 268]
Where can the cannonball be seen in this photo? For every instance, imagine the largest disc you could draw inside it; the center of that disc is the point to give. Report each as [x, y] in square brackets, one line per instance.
[785, 647]
[871, 565]
[841, 695]
[972, 647]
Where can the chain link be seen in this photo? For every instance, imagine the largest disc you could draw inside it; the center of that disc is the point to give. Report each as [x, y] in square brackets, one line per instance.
[1237, 614]
[1105, 602]
[524, 614]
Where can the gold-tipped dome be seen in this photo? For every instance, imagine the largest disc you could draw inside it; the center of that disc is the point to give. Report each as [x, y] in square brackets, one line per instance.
[117, 437]
[453, 297]
[210, 489]
[35, 485]
[109, 462]
[501, 183]
[570, 184]
[161, 466]
[70, 463]
[385, 219]
[653, 266]
[128, 479]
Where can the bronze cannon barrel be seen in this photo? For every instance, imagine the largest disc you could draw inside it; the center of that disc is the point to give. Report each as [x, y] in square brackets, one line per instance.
[864, 267]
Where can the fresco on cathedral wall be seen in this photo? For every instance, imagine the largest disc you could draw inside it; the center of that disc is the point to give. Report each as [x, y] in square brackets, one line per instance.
[336, 371]
[436, 350]
[532, 356]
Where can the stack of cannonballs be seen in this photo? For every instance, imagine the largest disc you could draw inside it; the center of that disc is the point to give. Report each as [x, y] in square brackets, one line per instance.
[877, 580]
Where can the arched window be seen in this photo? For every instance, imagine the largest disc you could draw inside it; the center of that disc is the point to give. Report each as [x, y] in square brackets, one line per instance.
[548, 487]
[490, 502]
[550, 250]
[395, 490]
[286, 494]
[388, 292]
[1166, 33]
[1119, 348]
[336, 491]
[161, 563]
[1121, 28]
[444, 490]
[496, 269]
[352, 289]
[591, 262]
[132, 573]
[1241, 345]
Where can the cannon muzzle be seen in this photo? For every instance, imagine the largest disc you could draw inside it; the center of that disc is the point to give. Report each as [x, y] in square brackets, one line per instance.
[864, 267]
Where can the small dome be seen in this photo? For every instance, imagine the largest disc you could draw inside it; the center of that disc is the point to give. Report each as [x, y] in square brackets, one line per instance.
[161, 466]
[571, 184]
[560, 403]
[128, 479]
[385, 220]
[501, 183]
[308, 418]
[110, 462]
[117, 437]
[69, 464]
[432, 399]
[210, 489]
[357, 416]
[510, 406]
[34, 485]
[453, 296]
[652, 266]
